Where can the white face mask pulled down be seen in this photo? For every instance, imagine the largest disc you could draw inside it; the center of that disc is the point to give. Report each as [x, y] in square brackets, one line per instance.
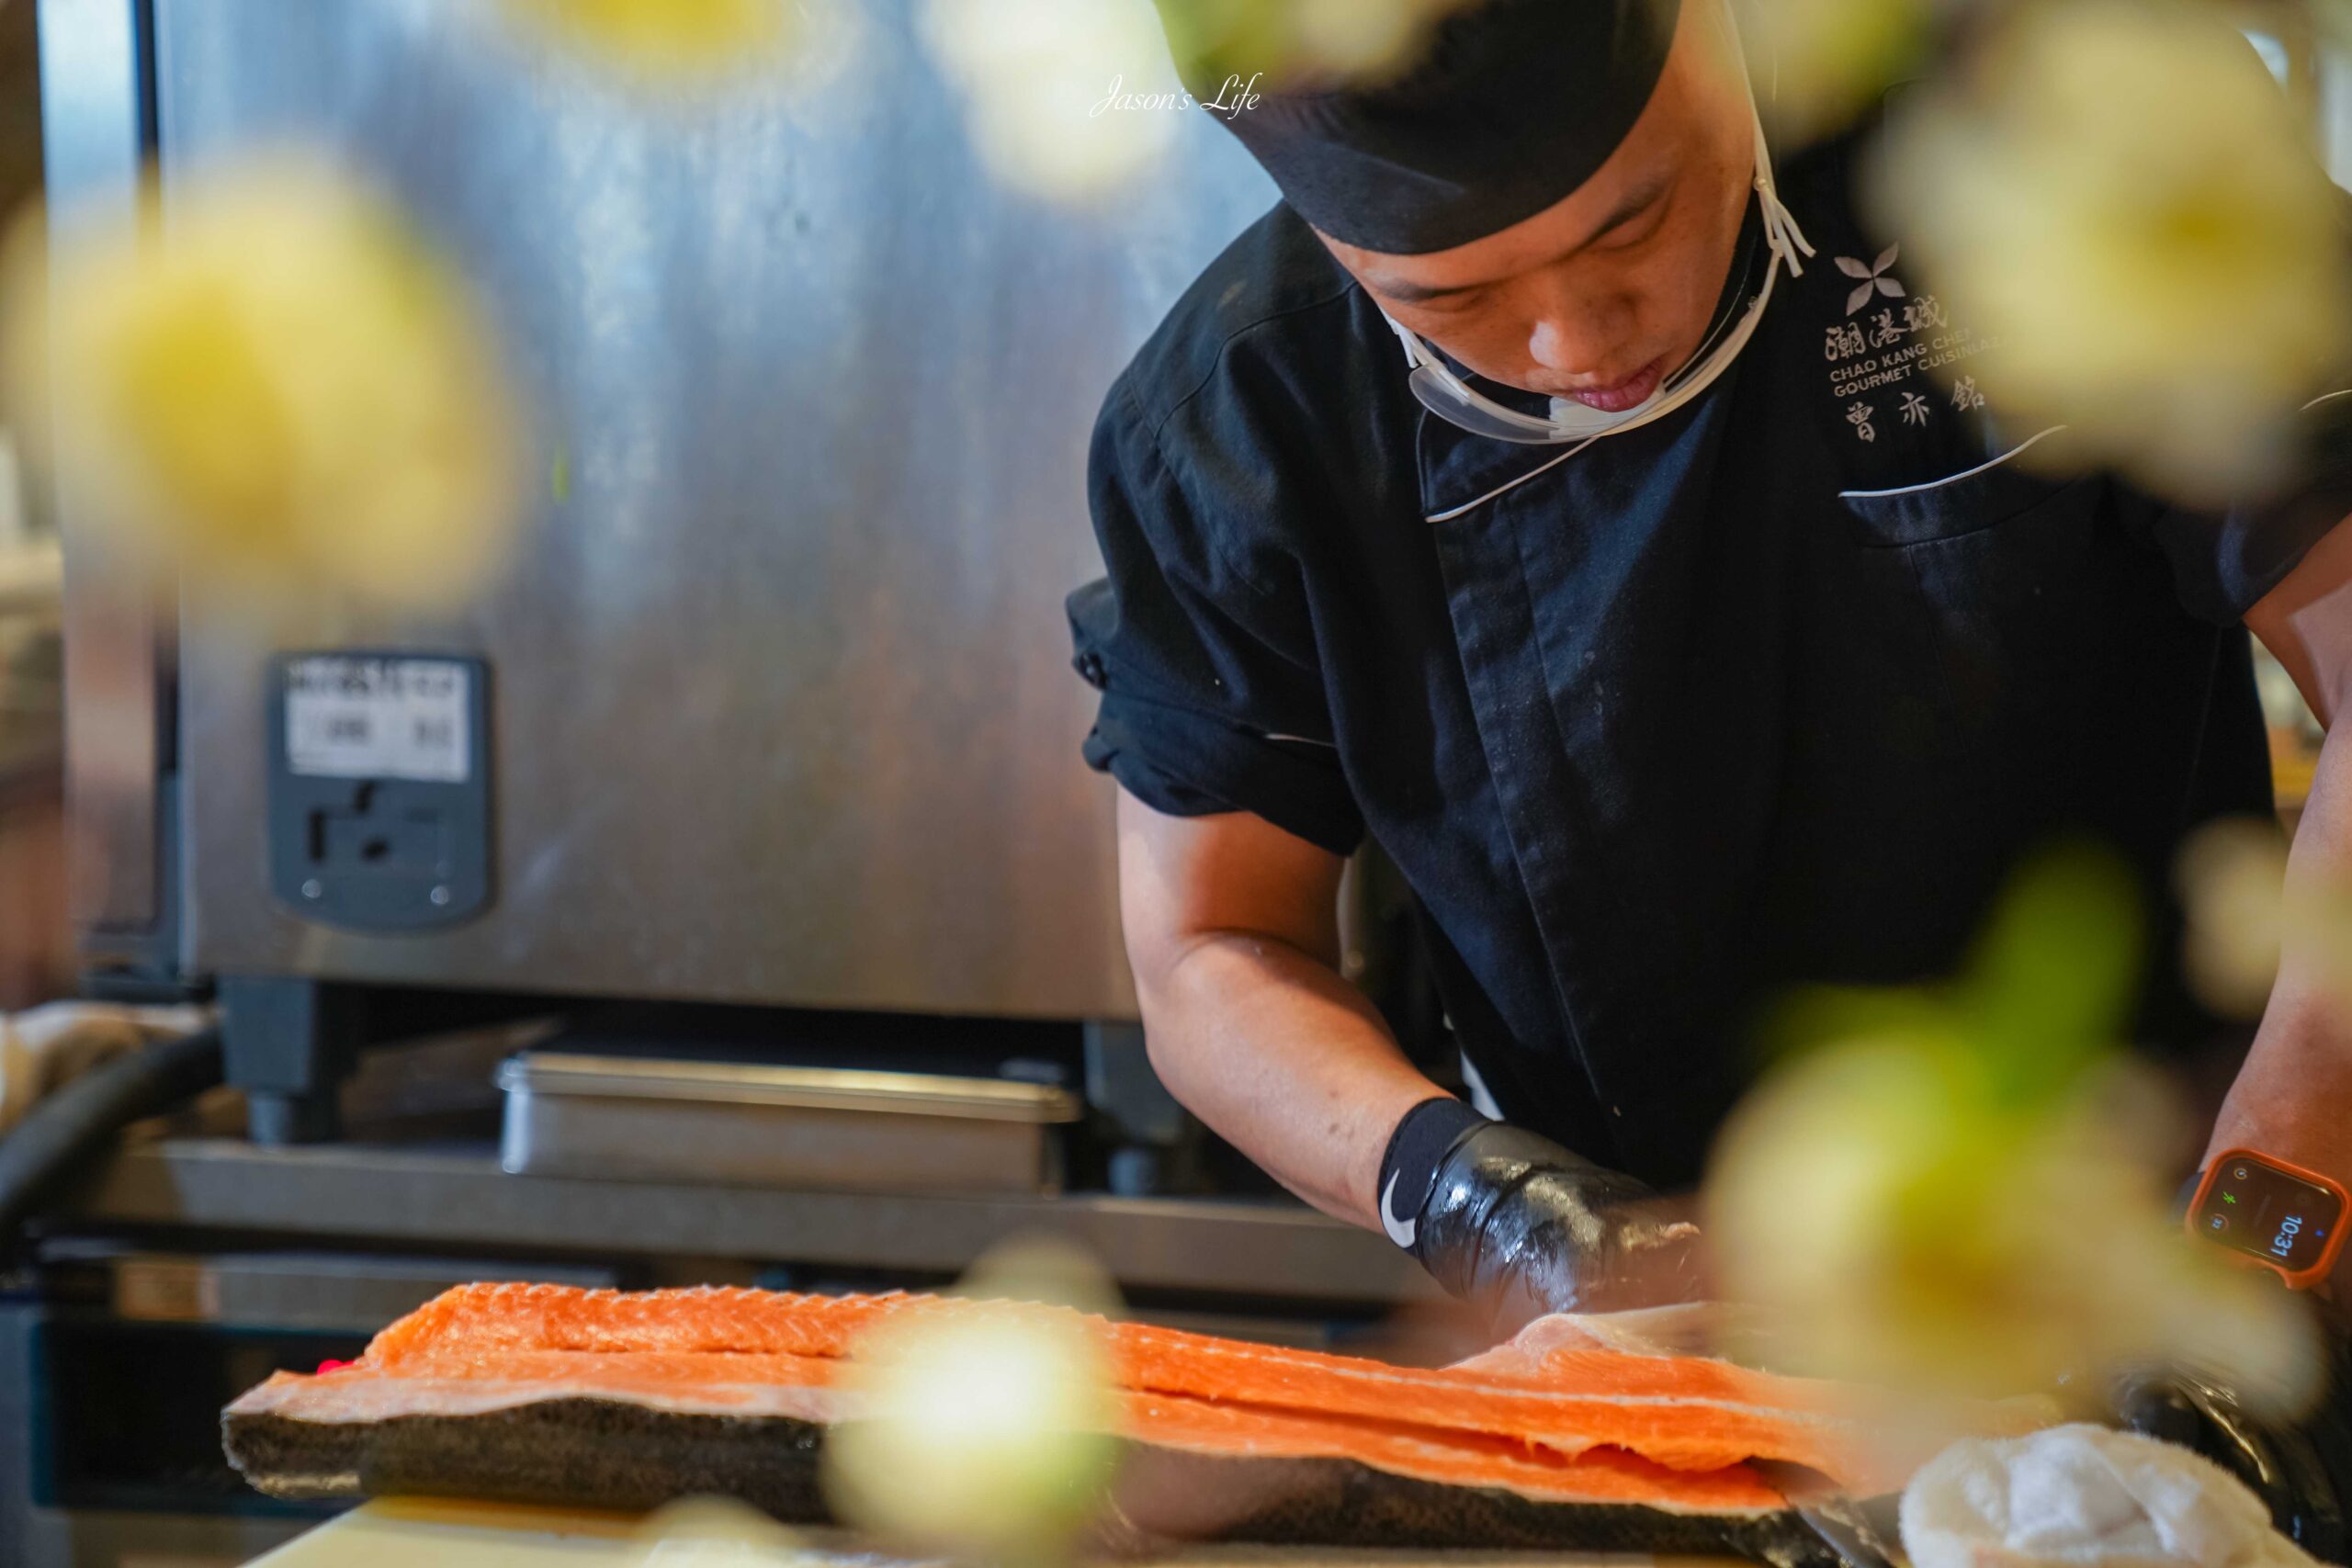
[1447, 395]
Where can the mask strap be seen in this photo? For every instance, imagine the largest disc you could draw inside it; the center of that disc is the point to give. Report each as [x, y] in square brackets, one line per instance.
[1781, 230]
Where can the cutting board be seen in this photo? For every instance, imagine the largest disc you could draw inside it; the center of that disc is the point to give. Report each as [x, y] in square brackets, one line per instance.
[405, 1532]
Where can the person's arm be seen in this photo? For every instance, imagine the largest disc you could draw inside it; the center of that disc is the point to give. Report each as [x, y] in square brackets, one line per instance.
[1232, 928]
[2293, 1097]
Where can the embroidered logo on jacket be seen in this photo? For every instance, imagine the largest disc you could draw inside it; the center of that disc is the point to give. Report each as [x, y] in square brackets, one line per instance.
[1873, 275]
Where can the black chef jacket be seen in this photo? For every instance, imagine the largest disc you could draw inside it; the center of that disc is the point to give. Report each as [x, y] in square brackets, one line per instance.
[1774, 690]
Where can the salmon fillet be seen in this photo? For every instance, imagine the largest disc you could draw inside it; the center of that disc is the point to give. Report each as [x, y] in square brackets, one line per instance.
[644, 1395]
[1550, 1387]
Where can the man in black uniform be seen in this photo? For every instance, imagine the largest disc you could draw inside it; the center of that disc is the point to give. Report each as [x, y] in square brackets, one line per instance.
[1519, 494]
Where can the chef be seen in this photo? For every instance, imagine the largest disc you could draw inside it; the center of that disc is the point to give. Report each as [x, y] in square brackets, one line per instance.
[1540, 492]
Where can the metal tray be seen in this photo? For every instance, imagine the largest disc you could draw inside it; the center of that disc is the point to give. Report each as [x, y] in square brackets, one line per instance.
[733, 1125]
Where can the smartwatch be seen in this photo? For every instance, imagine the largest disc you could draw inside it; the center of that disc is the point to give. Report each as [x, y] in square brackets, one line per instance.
[2270, 1214]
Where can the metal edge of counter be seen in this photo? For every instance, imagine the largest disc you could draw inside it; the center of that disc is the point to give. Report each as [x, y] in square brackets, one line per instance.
[362, 1194]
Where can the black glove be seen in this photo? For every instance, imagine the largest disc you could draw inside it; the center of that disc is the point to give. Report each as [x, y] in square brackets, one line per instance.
[1518, 1225]
[2302, 1469]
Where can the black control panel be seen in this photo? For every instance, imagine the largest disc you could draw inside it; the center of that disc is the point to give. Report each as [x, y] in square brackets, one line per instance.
[380, 788]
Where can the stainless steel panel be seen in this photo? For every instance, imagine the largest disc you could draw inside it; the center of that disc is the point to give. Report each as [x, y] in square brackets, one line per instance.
[800, 1088]
[319, 1291]
[1269, 1249]
[719, 1143]
[783, 705]
[721, 1123]
[92, 129]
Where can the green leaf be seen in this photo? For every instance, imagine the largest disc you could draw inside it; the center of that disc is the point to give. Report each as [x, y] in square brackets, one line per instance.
[2050, 986]
[2047, 992]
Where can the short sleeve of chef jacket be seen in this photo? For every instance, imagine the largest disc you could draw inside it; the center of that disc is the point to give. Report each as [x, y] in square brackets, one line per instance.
[1213, 696]
[2223, 562]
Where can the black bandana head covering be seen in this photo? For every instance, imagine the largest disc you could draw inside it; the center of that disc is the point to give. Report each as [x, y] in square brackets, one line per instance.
[1515, 104]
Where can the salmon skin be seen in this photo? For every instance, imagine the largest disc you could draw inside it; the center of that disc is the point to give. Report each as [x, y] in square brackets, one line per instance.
[604, 1455]
[549, 1394]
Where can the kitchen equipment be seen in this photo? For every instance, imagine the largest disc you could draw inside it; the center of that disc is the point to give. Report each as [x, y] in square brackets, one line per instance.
[780, 1126]
[775, 708]
[115, 1362]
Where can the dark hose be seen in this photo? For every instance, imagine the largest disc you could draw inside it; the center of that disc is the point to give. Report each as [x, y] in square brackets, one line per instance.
[81, 1120]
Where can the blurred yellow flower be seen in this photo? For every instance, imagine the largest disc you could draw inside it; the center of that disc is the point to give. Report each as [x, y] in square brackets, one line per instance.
[278, 390]
[1300, 40]
[1819, 64]
[1956, 1190]
[2117, 194]
[669, 41]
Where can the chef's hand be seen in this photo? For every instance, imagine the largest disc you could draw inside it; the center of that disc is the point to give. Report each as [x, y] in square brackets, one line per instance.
[1518, 1225]
[2301, 1470]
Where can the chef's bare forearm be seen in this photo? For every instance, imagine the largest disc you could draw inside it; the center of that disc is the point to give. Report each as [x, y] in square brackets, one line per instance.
[2293, 1097]
[1232, 927]
[1287, 1062]
[2295, 1089]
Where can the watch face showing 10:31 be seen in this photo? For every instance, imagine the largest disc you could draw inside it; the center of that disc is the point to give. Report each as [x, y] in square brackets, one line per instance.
[2267, 1213]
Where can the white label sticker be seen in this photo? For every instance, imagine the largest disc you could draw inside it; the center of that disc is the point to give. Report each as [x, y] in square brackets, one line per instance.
[378, 718]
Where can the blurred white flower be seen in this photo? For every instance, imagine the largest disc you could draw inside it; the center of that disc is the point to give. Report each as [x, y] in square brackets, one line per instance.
[987, 1428]
[2118, 197]
[273, 387]
[1902, 1229]
[2242, 911]
[1955, 1189]
[988, 1425]
[1067, 99]
[2232, 880]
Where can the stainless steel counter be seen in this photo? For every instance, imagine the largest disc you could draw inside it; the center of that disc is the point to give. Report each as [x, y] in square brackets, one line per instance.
[460, 1198]
[220, 1259]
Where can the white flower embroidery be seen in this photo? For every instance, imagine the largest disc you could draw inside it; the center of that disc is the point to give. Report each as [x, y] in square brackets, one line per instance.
[1873, 277]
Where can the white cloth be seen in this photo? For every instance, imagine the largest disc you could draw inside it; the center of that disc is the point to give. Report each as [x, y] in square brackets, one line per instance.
[2085, 1498]
[46, 1047]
